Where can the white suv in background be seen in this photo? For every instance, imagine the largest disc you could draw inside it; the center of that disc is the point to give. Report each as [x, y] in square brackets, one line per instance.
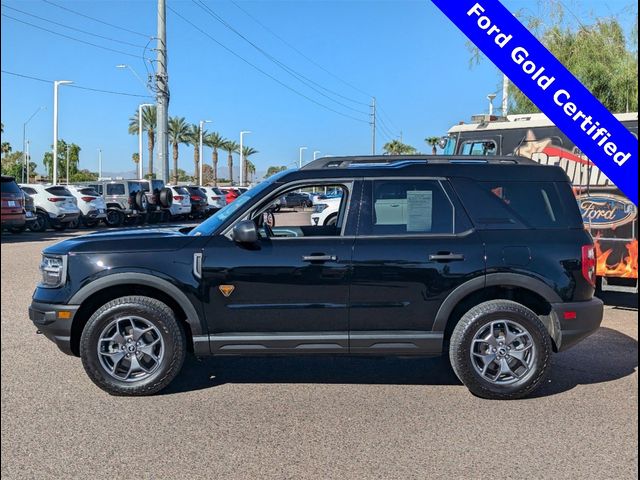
[216, 198]
[325, 212]
[181, 205]
[55, 206]
[91, 204]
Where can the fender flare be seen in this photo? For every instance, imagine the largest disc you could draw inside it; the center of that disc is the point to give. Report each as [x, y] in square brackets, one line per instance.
[491, 280]
[144, 279]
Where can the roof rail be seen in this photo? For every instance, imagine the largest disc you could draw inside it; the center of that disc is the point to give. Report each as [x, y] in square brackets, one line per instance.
[404, 160]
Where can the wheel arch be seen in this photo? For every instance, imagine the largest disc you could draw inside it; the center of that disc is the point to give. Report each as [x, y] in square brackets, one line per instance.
[97, 293]
[528, 291]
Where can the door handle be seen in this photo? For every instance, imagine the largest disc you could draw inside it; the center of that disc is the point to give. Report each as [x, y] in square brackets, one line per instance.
[446, 257]
[319, 258]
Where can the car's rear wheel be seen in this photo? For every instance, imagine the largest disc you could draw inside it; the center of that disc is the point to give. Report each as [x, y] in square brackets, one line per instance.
[500, 350]
[40, 223]
[114, 218]
[133, 346]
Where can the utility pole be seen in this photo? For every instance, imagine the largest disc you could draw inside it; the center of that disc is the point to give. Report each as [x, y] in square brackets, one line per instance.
[28, 157]
[373, 125]
[162, 98]
[99, 164]
[67, 164]
[505, 95]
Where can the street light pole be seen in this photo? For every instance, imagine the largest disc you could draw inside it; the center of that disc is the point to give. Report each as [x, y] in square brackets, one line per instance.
[28, 157]
[315, 153]
[300, 161]
[67, 164]
[123, 66]
[24, 144]
[140, 107]
[56, 84]
[99, 164]
[201, 128]
[242, 169]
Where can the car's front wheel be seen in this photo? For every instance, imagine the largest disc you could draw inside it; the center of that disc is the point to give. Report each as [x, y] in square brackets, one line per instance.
[132, 346]
[500, 350]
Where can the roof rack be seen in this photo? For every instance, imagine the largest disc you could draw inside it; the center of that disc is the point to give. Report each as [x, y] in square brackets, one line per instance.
[405, 160]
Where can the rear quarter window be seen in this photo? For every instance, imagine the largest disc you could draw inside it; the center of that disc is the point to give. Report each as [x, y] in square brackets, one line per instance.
[59, 191]
[115, 189]
[89, 191]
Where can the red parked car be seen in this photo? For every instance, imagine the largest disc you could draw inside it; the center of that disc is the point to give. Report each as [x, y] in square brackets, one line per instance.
[232, 194]
[12, 212]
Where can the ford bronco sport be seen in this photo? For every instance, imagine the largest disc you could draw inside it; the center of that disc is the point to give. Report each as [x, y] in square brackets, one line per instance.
[484, 260]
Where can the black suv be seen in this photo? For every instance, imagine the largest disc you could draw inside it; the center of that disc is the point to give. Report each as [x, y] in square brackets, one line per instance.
[485, 260]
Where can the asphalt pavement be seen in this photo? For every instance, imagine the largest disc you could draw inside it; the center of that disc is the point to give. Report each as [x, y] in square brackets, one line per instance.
[322, 417]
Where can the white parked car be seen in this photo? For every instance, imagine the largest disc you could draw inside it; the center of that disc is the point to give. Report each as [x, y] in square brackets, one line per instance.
[91, 204]
[325, 212]
[181, 205]
[55, 206]
[216, 198]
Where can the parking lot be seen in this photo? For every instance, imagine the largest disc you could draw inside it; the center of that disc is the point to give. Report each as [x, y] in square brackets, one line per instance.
[321, 417]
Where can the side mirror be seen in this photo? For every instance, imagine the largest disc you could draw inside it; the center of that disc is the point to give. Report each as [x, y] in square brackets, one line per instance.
[245, 232]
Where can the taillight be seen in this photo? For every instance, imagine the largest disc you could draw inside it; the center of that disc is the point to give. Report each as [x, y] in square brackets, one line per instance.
[589, 264]
[195, 198]
[88, 199]
[56, 199]
[178, 197]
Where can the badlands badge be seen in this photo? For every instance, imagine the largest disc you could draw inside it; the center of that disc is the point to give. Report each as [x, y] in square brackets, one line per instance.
[226, 290]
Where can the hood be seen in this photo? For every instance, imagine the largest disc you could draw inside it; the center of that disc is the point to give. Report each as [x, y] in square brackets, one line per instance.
[124, 240]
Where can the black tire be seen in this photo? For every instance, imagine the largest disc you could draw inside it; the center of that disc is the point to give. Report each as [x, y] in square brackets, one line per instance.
[153, 312]
[19, 229]
[40, 224]
[77, 223]
[91, 223]
[166, 197]
[141, 201]
[114, 218]
[331, 220]
[479, 318]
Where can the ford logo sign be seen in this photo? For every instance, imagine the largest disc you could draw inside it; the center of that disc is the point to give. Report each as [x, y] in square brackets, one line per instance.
[601, 211]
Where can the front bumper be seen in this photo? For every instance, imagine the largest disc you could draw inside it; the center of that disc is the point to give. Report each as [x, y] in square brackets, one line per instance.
[576, 321]
[54, 321]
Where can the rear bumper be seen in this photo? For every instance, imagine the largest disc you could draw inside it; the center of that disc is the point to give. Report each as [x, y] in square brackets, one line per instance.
[95, 214]
[63, 217]
[46, 318]
[576, 321]
[13, 220]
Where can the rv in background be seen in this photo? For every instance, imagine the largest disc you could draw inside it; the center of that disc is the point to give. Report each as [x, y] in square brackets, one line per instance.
[611, 217]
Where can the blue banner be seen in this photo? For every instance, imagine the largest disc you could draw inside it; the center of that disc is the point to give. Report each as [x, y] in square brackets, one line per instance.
[550, 86]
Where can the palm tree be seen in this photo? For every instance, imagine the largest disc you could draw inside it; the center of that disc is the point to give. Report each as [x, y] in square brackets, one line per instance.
[246, 153]
[251, 169]
[194, 139]
[135, 157]
[215, 141]
[396, 147]
[178, 133]
[433, 142]
[230, 147]
[148, 124]
[6, 148]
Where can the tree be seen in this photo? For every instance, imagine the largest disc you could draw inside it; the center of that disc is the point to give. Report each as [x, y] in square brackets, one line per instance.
[207, 174]
[181, 175]
[193, 137]
[396, 147]
[74, 159]
[598, 54]
[135, 157]
[84, 175]
[246, 153]
[148, 124]
[215, 141]
[433, 143]
[13, 165]
[230, 147]
[273, 170]
[251, 170]
[6, 148]
[178, 133]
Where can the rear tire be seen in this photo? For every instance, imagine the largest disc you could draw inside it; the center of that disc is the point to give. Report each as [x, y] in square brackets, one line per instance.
[122, 360]
[40, 224]
[114, 218]
[500, 350]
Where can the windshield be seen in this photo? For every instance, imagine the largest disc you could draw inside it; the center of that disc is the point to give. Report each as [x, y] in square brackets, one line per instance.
[214, 222]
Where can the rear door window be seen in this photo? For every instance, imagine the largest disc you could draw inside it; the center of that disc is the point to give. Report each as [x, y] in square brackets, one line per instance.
[479, 147]
[115, 189]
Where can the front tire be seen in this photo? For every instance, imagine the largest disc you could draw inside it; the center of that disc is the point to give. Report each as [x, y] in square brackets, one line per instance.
[500, 350]
[132, 346]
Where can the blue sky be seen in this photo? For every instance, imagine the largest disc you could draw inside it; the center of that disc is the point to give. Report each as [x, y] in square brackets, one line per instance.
[405, 53]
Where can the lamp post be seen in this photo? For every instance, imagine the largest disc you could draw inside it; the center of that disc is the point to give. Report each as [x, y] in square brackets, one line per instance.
[28, 158]
[24, 144]
[99, 164]
[315, 154]
[123, 66]
[140, 107]
[201, 127]
[56, 84]
[302, 149]
[242, 169]
[67, 164]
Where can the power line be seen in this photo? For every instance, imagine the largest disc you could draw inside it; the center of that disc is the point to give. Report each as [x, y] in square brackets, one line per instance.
[386, 115]
[301, 53]
[383, 125]
[305, 80]
[96, 19]
[72, 38]
[73, 85]
[288, 87]
[73, 28]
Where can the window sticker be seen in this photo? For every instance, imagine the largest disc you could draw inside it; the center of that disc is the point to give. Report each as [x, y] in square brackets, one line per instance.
[419, 210]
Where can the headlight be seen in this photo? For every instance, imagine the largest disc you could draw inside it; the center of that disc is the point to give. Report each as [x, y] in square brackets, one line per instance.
[54, 271]
[320, 207]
